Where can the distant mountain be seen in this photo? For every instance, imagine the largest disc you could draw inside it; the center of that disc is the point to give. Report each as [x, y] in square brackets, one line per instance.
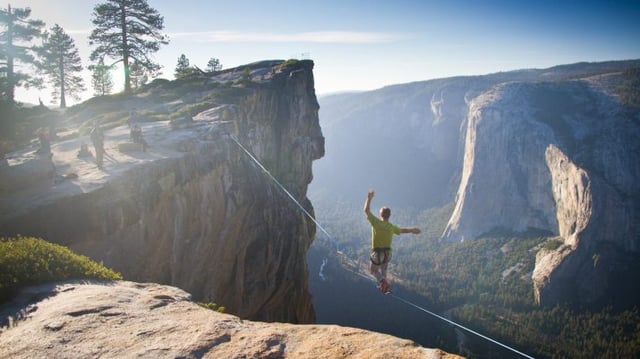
[552, 149]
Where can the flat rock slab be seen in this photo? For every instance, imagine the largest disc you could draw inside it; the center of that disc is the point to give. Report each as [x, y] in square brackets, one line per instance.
[146, 320]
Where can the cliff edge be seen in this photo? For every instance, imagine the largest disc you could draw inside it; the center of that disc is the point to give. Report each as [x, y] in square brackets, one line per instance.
[193, 210]
[127, 319]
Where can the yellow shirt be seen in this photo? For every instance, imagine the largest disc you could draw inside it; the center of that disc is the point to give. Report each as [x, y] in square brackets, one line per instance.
[381, 232]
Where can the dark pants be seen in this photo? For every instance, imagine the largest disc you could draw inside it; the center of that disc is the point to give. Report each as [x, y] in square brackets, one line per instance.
[99, 146]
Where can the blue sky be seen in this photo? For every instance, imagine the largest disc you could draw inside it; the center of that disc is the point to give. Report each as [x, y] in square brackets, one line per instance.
[364, 45]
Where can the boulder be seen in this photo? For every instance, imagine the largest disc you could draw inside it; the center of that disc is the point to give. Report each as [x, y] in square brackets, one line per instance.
[146, 320]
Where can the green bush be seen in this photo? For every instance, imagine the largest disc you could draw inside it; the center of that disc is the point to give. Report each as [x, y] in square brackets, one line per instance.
[290, 62]
[27, 261]
[553, 244]
[193, 109]
[212, 306]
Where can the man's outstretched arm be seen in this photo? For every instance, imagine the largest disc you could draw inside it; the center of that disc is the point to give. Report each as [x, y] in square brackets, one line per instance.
[414, 230]
[367, 203]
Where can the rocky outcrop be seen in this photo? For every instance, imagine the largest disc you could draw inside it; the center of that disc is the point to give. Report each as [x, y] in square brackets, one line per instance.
[571, 189]
[127, 319]
[409, 134]
[559, 157]
[505, 182]
[194, 211]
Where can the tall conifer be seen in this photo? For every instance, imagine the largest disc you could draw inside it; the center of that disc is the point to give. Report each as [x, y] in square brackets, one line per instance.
[61, 63]
[127, 31]
[183, 69]
[17, 33]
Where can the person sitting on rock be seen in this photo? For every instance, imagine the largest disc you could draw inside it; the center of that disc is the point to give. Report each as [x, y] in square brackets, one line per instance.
[136, 136]
[84, 151]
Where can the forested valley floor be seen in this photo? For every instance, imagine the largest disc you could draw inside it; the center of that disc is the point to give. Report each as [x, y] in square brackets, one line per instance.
[483, 284]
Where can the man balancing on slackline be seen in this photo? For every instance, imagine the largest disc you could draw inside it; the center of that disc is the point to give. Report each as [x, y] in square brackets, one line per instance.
[382, 232]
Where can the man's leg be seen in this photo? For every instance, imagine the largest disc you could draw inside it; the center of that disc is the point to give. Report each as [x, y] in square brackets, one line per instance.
[380, 272]
[383, 270]
[385, 286]
[375, 271]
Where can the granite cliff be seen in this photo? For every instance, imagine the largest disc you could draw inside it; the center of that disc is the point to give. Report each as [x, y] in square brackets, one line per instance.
[560, 157]
[193, 211]
[550, 151]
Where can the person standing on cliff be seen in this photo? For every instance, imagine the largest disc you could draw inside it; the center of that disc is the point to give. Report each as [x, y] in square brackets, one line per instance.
[97, 137]
[382, 232]
[45, 141]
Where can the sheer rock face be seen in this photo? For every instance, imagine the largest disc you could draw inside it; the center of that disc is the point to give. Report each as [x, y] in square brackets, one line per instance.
[195, 211]
[144, 320]
[559, 157]
[504, 184]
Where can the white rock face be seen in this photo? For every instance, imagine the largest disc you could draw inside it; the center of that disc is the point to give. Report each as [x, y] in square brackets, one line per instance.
[571, 189]
[572, 193]
[559, 157]
[505, 182]
[146, 320]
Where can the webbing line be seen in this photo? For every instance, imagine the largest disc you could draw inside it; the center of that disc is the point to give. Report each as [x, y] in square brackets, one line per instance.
[460, 326]
[360, 274]
[281, 186]
[449, 320]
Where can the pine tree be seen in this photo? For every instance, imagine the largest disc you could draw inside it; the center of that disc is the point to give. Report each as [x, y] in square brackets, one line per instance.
[127, 31]
[139, 75]
[61, 63]
[17, 32]
[101, 79]
[182, 68]
[214, 65]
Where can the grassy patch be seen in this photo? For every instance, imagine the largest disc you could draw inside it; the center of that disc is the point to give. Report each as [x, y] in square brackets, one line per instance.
[290, 62]
[212, 306]
[553, 244]
[193, 109]
[28, 261]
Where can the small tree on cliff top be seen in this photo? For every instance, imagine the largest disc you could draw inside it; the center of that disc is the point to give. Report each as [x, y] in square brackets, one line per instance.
[183, 69]
[214, 65]
[17, 32]
[139, 75]
[128, 31]
[61, 62]
[101, 79]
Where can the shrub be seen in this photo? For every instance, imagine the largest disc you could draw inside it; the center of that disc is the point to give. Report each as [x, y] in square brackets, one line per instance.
[290, 62]
[192, 109]
[27, 261]
[553, 244]
[229, 95]
[212, 306]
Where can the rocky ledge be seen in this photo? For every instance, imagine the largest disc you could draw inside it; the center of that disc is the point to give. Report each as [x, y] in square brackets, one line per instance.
[193, 210]
[146, 320]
